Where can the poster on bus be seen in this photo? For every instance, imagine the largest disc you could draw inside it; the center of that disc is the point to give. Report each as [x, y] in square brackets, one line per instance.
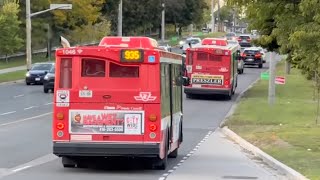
[106, 122]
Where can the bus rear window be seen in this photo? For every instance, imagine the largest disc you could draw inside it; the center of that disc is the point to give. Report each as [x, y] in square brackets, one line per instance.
[202, 56]
[65, 73]
[215, 58]
[118, 71]
[93, 68]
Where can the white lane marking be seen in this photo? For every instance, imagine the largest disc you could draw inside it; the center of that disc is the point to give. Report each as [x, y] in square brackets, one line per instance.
[20, 169]
[30, 107]
[165, 175]
[6, 113]
[20, 95]
[36, 162]
[48, 103]
[26, 119]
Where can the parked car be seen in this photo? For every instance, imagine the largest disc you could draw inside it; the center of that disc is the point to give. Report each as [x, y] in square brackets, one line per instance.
[244, 40]
[48, 81]
[36, 74]
[252, 56]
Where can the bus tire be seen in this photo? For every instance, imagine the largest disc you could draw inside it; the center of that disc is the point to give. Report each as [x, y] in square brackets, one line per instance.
[161, 164]
[68, 163]
[189, 96]
[174, 154]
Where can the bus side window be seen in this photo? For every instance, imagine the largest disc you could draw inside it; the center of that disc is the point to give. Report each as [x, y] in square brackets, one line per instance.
[65, 73]
[93, 68]
[117, 71]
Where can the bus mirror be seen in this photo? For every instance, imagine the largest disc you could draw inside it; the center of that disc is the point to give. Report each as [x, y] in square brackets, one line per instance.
[185, 81]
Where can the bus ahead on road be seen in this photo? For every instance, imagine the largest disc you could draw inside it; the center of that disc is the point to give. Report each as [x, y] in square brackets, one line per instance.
[212, 68]
[122, 98]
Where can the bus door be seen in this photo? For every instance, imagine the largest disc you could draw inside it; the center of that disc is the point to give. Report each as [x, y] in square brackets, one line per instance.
[211, 69]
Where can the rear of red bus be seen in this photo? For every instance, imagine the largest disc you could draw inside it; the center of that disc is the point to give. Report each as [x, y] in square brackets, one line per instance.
[107, 103]
[210, 70]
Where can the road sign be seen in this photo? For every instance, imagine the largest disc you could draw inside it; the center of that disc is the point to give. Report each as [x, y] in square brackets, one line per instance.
[280, 80]
[60, 6]
[264, 75]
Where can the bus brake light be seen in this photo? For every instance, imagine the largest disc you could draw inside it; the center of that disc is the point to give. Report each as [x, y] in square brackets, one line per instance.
[60, 126]
[152, 127]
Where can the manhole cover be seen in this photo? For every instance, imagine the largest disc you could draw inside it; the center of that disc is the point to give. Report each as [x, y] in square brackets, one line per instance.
[239, 177]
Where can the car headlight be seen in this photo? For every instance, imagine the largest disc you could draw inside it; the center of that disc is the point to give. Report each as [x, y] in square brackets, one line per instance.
[27, 74]
[46, 77]
[181, 42]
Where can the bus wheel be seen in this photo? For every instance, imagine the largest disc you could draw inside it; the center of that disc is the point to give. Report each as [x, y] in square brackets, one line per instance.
[174, 154]
[68, 163]
[189, 96]
[161, 164]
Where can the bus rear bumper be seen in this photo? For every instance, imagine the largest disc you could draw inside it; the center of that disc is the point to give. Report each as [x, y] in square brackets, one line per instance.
[206, 91]
[110, 149]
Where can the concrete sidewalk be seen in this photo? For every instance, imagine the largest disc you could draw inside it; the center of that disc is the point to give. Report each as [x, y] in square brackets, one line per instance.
[13, 69]
[219, 158]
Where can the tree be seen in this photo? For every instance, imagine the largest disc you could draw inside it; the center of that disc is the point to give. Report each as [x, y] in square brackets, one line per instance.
[82, 22]
[10, 40]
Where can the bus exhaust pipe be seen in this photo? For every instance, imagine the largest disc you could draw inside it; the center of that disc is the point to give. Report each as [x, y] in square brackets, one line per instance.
[64, 42]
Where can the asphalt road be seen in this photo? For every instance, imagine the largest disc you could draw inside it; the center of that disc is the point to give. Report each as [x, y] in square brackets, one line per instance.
[25, 135]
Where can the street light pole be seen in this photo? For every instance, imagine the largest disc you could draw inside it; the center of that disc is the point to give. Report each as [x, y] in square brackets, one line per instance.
[212, 16]
[120, 19]
[163, 29]
[28, 32]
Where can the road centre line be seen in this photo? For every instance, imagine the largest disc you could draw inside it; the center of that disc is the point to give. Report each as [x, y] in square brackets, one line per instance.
[26, 119]
[48, 103]
[11, 112]
[20, 95]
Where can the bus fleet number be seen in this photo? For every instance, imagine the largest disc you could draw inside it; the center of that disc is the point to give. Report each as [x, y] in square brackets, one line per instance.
[132, 55]
[69, 51]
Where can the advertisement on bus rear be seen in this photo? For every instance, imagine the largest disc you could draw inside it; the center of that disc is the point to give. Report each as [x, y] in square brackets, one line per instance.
[106, 122]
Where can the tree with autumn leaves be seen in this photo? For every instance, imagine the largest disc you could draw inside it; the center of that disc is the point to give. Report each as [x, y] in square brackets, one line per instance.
[289, 27]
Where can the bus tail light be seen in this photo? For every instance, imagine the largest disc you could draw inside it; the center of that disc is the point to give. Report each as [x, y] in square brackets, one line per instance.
[60, 116]
[226, 82]
[152, 118]
[60, 126]
[152, 127]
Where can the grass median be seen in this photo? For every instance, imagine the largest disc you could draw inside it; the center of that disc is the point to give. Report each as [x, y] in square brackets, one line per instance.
[13, 76]
[288, 130]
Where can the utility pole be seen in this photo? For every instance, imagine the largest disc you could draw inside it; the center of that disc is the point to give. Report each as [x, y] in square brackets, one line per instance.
[29, 15]
[163, 22]
[272, 77]
[218, 16]
[120, 19]
[28, 32]
[212, 16]
[49, 42]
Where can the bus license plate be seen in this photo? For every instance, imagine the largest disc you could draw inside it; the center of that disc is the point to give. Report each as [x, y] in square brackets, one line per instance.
[85, 93]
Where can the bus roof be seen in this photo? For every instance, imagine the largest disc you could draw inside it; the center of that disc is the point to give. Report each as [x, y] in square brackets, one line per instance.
[129, 42]
[228, 47]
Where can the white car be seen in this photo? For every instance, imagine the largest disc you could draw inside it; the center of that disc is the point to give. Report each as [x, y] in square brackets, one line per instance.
[194, 42]
[240, 61]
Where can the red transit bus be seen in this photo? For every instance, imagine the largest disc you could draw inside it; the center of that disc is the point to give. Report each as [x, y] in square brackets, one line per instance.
[212, 68]
[122, 98]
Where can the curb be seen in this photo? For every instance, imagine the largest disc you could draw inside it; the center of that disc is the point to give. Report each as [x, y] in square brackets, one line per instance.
[12, 82]
[289, 172]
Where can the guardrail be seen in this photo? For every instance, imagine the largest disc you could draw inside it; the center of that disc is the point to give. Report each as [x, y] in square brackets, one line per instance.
[44, 50]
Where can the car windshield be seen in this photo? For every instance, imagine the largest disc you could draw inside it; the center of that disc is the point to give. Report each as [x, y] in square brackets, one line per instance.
[193, 41]
[230, 34]
[53, 70]
[251, 51]
[43, 67]
[244, 37]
